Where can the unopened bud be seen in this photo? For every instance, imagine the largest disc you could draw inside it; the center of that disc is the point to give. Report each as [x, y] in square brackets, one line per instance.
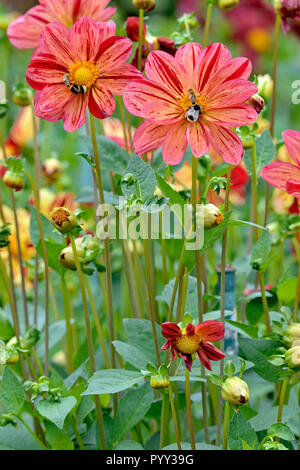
[257, 102]
[159, 381]
[51, 170]
[265, 86]
[133, 27]
[14, 180]
[227, 4]
[22, 95]
[292, 357]
[212, 216]
[147, 5]
[235, 391]
[63, 219]
[292, 333]
[67, 259]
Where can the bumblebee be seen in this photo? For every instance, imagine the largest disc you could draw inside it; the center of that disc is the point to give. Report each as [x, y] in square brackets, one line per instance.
[76, 89]
[193, 113]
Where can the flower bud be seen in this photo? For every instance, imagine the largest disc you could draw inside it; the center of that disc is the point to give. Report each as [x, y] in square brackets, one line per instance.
[247, 141]
[147, 5]
[235, 391]
[51, 170]
[292, 333]
[257, 102]
[12, 356]
[22, 95]
[265, 86]
[227, 4]
[67, 259]
[63, 219]
[133, 28]
[159, 381]
[292, 357]
[14, 180]
[212, 216]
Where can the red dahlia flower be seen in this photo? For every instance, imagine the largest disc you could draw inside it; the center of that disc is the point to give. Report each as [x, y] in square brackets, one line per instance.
[289, 10]
[194, 339]
[77, 69]
[285, 175]
[195, 97]
[25, 31]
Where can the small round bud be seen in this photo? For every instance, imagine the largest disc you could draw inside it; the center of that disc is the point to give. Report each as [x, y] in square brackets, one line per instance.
[247, 141]
[235, 391]
[292, 357]
[3, 108]
[257, 102]
[292, 333]
[67, 259]
[147, 5]
[212, 216]
[51, 170]
[227, 4]
[159, 381]
[265, 86]
[132, 28]
[63, 219]
[22, 95]
[14, 180]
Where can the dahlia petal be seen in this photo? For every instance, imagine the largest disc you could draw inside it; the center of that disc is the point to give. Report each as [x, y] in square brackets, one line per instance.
[197, 138]
[212, 59]
[112, 53]
[226, 143]
[101, 101]
[166, 345]
[190, 329]
[187, 56]
[234, 93]
[170, 330]
[44, 69]
[54, 98]
[149, 136]
[53, 116]
[163, 69]
[142, 92]
[175, 143]
[213, 353]
[239, 67]
[95, 9]
[293, 188]
[107, 29]
[24, 34]
[188, 361]
[106, 14]
[210, 330]
[278, 173]
[292, 141]
[204, 359]
[117, 80]
[54, 40]
[159, 112]
[84, 35]
[74, 113]
[233, 116]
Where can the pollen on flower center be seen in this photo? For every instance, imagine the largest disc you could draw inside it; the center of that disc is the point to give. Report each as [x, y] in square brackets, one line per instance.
[187, 344]
[190, 100]
[83, 74]
[60, 216]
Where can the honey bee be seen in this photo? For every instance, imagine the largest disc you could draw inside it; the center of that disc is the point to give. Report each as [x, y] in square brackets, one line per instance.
[76, 89]
[193, 113]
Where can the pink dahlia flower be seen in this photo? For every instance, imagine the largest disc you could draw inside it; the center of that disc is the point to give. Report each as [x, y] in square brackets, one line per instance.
[196, 97]
[79, 69]
[25, 31]
[285, 175]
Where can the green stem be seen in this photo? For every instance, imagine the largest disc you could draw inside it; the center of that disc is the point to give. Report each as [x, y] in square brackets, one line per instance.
[281, 400]
[89, 339]
[70, 347]
[174, 417]
[40, 443]
[164, 422]
[226, 425]
[207, 24]
[140, 45]
[76, 432]
[189, 408]
[37, 361]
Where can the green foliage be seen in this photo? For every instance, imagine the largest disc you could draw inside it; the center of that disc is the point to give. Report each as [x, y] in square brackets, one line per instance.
[240, 431]
[57, 411]
[12, 394]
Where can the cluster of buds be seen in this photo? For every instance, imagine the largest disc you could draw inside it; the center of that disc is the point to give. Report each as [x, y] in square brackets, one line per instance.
[227, 4]
[159, 378]
[42, 386]
[14, 177]
[51, 170]
[63, 219]
[147, 5]
[22, 95]
[88, 250]
[292, 334]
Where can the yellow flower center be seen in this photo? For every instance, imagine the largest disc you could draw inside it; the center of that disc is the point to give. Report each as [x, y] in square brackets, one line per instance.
[259, 39]
[59, 216]
[189, 100]
[187, 344]
[219, 219]
[83, 74]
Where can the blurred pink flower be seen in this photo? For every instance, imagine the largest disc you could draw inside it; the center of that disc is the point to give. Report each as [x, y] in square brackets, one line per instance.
[25, 31]
[285, 175]
[289, 11]
[79, 69]
[195, 97]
